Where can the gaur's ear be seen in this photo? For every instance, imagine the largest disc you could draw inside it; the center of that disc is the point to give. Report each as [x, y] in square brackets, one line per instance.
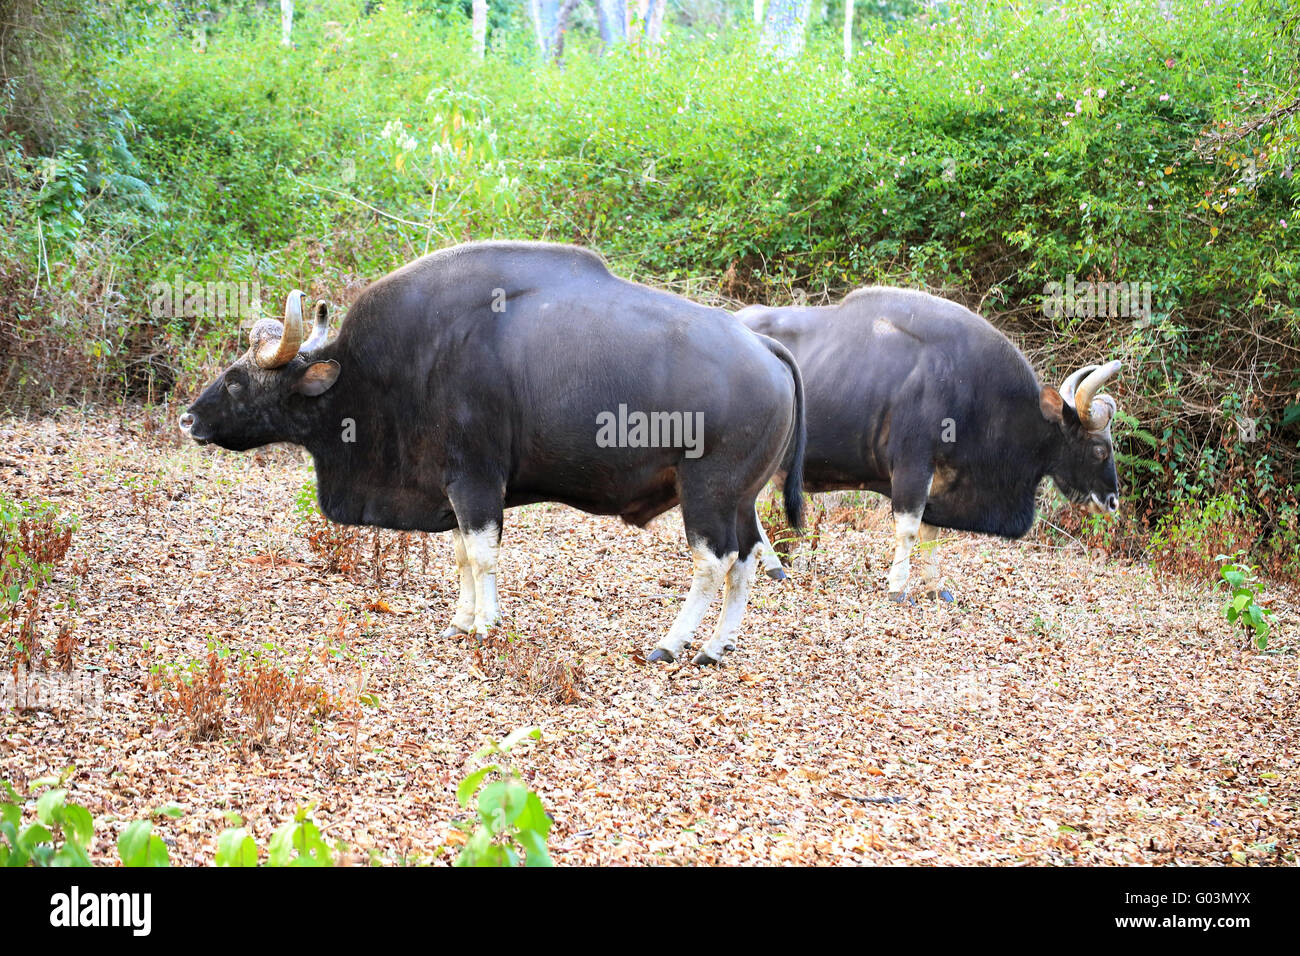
[1051, 404]
[318, 378]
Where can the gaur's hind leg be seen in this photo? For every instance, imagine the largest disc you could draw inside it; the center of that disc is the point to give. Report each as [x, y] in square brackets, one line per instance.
[930, 576]
[735, 597]
[770, 560]
[478, 515]
[711, 532]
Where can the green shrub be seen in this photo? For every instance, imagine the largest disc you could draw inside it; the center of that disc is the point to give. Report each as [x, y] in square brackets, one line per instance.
[59, 836]
[34, 541]
[512, 824]
[1244, 607]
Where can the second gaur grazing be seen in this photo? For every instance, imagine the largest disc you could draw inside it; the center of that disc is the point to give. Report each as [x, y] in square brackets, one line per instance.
[924, 401]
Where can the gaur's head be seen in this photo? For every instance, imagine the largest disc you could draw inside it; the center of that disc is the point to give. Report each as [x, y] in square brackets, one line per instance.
[270, 394]
[1084, 467]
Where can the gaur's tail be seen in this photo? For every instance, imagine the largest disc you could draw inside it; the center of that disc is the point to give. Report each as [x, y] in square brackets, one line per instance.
[792, 464]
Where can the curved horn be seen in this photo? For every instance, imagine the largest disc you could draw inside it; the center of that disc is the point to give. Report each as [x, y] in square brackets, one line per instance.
[271, 350]
[1096, 414]
[320, 328]
[1071, 384]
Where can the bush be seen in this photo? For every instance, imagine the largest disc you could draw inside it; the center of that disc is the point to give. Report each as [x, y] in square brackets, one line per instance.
[34, 541]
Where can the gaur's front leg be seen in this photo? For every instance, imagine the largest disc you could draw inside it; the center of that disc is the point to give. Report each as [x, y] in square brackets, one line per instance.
[909, 489]
[462, 622]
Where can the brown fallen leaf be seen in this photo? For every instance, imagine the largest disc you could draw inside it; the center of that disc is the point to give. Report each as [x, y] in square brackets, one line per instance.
[271, 561]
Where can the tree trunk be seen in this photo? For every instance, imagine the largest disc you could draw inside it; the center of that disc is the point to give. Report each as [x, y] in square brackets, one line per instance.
[758, 13]
[479, 28]
[611, 16]
[546, 23]
[848, 29]
[783, 31]
[561, 26]
[652, 21]
[286, 21]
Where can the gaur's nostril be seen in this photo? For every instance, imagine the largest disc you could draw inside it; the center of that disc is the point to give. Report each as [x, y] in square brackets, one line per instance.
[1112, 502]
[187, 422]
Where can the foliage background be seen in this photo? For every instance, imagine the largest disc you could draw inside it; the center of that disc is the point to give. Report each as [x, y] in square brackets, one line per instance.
[969, 149]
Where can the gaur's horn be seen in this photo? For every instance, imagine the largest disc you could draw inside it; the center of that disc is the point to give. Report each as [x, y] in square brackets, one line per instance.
[1095, 413]
[275, 344]
[320, 329]
[1071, 384]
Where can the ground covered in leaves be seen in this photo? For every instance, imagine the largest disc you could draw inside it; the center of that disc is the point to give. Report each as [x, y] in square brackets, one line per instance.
[1067, 709]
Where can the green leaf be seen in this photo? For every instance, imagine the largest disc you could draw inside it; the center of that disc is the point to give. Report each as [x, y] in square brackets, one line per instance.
[31, 836]
[78, 825]
[137, 846]
[70, 855]
[520, 734]
[158, 855]
[236, 848]
[490, 803]
[534, 845]
[501, 803]
[470, 784]
[280, 849]
[49, 801]
[476, 849]
[534, 816]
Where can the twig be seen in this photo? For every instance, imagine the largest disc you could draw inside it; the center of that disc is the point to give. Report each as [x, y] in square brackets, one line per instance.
[361, 202]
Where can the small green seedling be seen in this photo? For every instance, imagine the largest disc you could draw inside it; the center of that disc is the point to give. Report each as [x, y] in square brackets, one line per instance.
[511, 818]
[1243, 606]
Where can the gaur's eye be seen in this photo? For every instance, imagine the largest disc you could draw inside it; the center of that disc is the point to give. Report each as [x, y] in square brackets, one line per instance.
[1101, 451]
[234, 388]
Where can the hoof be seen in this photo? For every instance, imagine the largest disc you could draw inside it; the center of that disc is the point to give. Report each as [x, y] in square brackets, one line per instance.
[944, 596]
[900, 597]
[703, 659]
[452, 632]
[659, 654]
[776, 574]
